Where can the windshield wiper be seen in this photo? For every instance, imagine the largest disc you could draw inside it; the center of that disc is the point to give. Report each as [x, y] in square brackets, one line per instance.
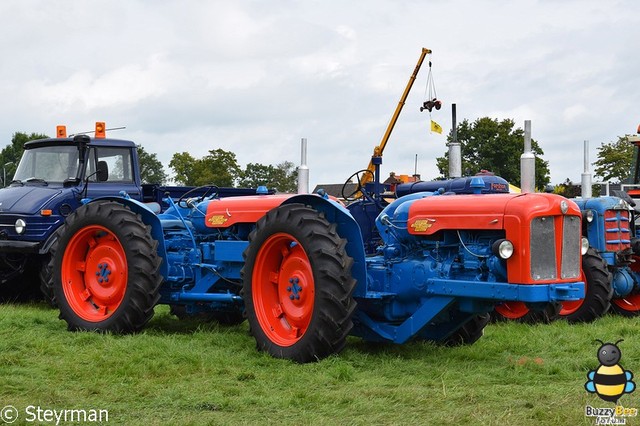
[16, 181]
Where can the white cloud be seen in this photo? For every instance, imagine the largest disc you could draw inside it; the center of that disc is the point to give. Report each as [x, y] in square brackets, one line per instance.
[255, 77]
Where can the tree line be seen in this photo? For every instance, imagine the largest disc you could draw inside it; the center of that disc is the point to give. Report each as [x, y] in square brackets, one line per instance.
[486, 144]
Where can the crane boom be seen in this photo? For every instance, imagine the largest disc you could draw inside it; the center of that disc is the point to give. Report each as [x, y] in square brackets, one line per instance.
[378, 150]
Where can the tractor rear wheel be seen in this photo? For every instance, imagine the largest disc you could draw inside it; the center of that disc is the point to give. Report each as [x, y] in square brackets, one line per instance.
[598, 291]
[470, 332]
[629, 305]
[106, 269]
[297, 285]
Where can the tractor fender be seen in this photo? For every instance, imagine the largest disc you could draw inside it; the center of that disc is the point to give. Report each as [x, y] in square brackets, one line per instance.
[150, 219]
[346, 226]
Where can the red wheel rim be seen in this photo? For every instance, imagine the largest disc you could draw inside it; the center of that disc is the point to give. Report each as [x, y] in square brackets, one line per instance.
[94, 273]
[571, 306]
[631, 302]
[283, 289]
[512, 310]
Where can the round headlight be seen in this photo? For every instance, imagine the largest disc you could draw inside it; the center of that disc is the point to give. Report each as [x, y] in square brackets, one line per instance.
[588, 215]
[503, 249]
[564, 206]
[584, 246]
[20, 226]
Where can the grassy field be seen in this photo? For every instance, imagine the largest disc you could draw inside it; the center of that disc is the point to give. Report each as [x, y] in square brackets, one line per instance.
[183, 373]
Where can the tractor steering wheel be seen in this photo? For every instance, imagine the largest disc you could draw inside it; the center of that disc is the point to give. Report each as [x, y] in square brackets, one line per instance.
[186, 202]
[359, 187]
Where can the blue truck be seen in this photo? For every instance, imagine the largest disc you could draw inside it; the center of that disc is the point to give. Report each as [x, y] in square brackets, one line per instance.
[51, 181]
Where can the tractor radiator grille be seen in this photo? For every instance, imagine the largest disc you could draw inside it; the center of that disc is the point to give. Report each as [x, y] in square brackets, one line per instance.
[571, 236]
[616, 230]
[543, 248]
[544, 256]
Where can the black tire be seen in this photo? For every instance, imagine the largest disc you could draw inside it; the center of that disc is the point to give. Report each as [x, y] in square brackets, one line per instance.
[18, 279]
[308, 328]
[598, 290]
[125, 242]
[45, 274]
[470, 332]
[221, 317]
[544, 314]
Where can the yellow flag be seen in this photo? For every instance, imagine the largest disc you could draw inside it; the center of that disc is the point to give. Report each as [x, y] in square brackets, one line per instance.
[435, 127]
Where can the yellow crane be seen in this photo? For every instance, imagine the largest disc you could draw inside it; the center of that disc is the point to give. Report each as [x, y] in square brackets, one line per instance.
[379, 149]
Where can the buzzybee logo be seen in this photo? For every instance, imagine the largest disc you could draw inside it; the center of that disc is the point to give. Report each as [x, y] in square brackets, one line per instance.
[610, 381]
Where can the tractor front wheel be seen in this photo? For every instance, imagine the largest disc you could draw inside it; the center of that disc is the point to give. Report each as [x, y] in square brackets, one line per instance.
[598, 291]
[297, 285]
[521, 312]
[106, 269]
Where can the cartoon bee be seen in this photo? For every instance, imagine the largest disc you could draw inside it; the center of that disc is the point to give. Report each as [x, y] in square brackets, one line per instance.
[609, 381]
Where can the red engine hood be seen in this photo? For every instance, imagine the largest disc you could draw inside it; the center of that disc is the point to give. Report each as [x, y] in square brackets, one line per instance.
[224, 212]
[484, 211]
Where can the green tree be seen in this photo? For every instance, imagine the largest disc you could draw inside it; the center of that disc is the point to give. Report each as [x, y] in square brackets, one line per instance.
[183, 165]
[219, 167]
[282, 177]
[614, 160]
[151, 170]
[489, 144]
[11, 154]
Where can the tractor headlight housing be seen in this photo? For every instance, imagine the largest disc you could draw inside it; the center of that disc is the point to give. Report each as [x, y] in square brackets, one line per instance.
[502, 248]
[588, 215]
[584, 246]
[20, 226]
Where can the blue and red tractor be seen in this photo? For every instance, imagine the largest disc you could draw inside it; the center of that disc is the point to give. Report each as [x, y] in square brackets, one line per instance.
[297, 268]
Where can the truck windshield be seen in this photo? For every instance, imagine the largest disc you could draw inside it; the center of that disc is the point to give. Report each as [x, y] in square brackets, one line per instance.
[48, 164]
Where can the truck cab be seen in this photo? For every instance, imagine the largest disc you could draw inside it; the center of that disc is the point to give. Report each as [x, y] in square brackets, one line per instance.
[53, 176]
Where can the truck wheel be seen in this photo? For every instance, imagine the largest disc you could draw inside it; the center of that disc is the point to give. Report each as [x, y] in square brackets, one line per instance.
[470, 332]
[107, 269]
[629, 305]
[598, 291]
[297, 285]
[519, 311]
[45, 274]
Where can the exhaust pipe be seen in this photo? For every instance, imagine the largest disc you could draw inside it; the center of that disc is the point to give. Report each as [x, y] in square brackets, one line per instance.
[527, 162]
[586, 176]
[455, 155]
[303, 170]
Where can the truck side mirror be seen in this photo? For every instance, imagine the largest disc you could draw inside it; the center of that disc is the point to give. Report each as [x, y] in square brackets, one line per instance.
[102, 173]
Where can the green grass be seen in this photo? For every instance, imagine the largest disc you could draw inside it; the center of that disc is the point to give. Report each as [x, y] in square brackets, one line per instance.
[183, 372]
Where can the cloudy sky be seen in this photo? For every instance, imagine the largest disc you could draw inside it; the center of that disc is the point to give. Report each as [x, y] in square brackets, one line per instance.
[254, 77]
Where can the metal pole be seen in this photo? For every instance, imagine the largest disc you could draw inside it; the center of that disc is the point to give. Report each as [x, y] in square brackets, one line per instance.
[4, 173]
